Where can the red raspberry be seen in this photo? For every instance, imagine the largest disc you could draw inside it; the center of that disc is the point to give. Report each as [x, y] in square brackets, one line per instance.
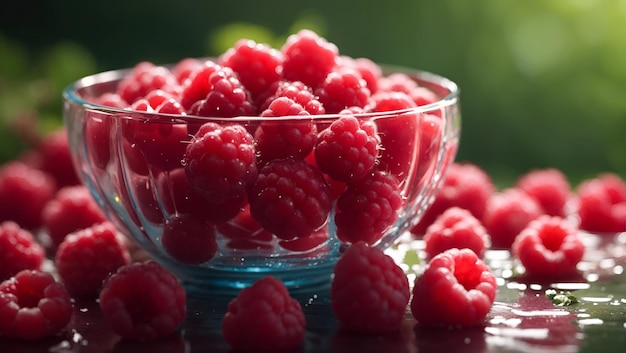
[348, 149]
[602, 204]
[244, 232]
[308, 58]
[456, 289]
[507, 214]
[341, 89]
[296, 91]
[424, 96]
[227, 97]
[370, 71]
[397, 82]
[56, 160]
[549, 248]
[369, 291]
[257, 65]
[164, 102]
[18, 250]
[264, 318]
[196, 87]
[368, 208]
[99, 127]
[87, 257]
[24, 192]
[281, 139]
[72, 208]
[143, 302]
[111, 99]
[431, 133]
[549, 187]
[220, 161]
[33, 306]
[189, 239]
[290, 198]
[185, 68]
[146, 77]
[456, 228]
[399, 133]
[465, 185]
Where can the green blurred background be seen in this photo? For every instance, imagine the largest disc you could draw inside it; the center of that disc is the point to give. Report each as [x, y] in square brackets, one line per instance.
[543, 82]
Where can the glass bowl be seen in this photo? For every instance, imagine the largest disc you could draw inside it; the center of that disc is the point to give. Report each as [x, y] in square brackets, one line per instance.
[133, 162]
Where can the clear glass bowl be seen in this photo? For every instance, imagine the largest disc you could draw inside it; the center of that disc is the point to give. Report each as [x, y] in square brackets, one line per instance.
[132, 162]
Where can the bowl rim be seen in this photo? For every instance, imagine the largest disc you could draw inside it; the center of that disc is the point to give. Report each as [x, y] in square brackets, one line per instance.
[70, 95]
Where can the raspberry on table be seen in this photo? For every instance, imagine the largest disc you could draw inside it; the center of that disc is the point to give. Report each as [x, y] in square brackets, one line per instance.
[456, 228]
[465, 185]
[189, 239]
[144, 78]
[143, 301]
[220, 161]
[24, 192]
[367, 208]
[549, 187]
[18, 250]
[33, 306]
[549, 247]
[341, 89]
[257, 65]
[507, 213]
[87, 257]
[226, 98]
[72, 208]
[602, 204]
[281, 139]
[290, 198]
[308, 58]
[455, 289]
[55, 158]
[369, 291]
[264, 318]
[348, 149]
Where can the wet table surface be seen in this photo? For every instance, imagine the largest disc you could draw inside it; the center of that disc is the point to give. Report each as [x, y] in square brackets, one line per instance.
[522, 319]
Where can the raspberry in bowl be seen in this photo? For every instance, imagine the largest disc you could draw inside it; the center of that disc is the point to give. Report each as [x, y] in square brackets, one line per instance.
[262, 161]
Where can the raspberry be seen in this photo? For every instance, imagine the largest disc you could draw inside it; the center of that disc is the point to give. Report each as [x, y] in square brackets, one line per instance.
[189, 240]
[244, 232]
[257, 65]
[18, 250]
[264, 318]
[549, 247]
[549, 187]
[143, 302]
[296, 91]
[55, 158]
[220, 161]
[368, 208]
[455, 289]
[144, 78]
[431, 129]
[369, 70]
[72, 208]
[282, 139]
[456, 228]
[33, 306]
[602, 204]
[399, 133]
[98, 130]
[164, 102]
[369, 291]
[196, 87]
[185, 68]
[111, 99]
[397, 82]
[227, 97]
[424, 96]
[87, 257]
[465, 185]
[507, 214]
[308, 58]
[348, 149]
[24, 192]
[290, 198]
[341, 89]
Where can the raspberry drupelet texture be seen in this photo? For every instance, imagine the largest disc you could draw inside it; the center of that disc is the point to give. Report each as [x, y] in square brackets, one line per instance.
[456, 228]
[549, 248]
[143, 302]
[369, 291]
[189, 239]
[220, 161]
[72, 208]
[226, 97]
[368, 69]
[602, 204]
[455, 289]
[144, 78]
[24, 193]
[33, 306]
[87, 257]
[18, 250]
[196, 86]
[341, 89]
[549, 187]
[367, 208]
[296, 91]
[55, 158]
[348, 149]
[264, 318]
[308, 58]
[290, 198]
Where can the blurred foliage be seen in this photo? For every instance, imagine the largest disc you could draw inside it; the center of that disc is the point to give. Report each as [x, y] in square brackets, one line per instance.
[543, 82]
